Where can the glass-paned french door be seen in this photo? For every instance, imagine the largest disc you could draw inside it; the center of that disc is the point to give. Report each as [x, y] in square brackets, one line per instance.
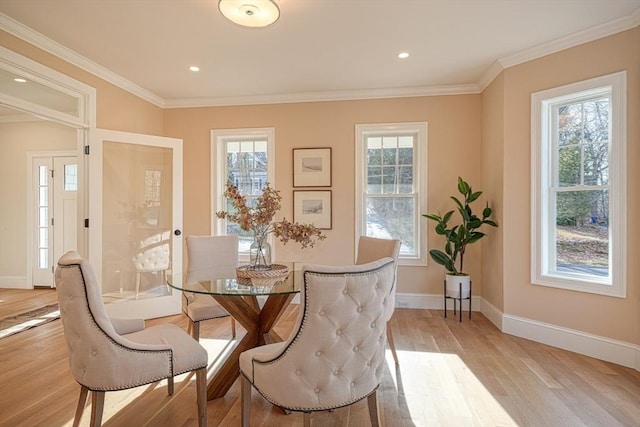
[135, 214]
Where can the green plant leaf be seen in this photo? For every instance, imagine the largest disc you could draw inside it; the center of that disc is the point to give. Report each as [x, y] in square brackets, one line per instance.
[442, 259]
[433, 217]
[486, 212]
[447, 217]
[473, 197]
[490, 222]
[475, 236]
[464, 213]
[439, 256]
[457, 237]
[458, 202]
[463, 187]
[440, 229]
[474, 222]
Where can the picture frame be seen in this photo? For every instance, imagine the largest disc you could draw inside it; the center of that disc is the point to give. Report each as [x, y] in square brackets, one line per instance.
[312, 167]
[312, 207]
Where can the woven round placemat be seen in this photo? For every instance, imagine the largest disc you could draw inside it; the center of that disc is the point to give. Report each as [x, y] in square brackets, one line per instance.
[277, 271]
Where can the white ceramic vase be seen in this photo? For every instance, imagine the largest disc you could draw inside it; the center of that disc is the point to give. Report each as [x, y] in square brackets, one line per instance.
[453, 283]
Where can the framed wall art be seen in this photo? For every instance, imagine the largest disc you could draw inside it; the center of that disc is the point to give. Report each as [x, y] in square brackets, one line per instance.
[312, 167]
[312, 207]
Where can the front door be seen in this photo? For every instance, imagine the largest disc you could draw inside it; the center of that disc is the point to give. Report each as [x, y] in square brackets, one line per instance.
[135, 214]
[55, 212]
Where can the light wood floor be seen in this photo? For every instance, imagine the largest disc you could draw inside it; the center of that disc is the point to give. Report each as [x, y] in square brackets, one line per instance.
[450, 374]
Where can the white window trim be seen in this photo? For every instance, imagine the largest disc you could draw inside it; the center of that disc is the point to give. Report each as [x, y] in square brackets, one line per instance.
[421, 128]
[541, 132]
[218, 171]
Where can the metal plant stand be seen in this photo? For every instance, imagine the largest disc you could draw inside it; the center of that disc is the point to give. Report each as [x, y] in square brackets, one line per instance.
[456, 300]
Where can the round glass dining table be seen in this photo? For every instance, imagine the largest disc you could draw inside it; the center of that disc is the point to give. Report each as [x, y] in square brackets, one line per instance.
[239, 298]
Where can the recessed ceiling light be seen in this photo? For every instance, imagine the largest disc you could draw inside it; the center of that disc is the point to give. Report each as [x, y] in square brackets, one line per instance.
[19, 80]
[403, 55]
[194, 68]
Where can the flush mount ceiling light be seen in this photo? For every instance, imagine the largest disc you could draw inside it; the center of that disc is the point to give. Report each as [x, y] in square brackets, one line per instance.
[250, 13]
[403, 55]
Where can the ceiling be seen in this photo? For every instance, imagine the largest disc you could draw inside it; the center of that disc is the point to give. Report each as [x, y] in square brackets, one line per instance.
[318, 49]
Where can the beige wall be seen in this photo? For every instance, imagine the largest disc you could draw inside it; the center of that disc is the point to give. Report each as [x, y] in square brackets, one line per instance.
[610, 317]
[16, 140]
[454, 128]
[116, 108]
[492, 182]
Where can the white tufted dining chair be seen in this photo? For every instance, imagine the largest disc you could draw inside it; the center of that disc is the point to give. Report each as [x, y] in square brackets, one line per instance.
[154, 256]
[335, 355]
[371, 249]
[209, 257]
[108, 354]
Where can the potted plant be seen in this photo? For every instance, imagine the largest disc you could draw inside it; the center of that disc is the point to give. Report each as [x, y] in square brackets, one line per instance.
[458, 236]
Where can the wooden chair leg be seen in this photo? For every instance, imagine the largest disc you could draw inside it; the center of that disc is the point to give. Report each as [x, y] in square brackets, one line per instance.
[374, 410]
[233, 327]
[84, 392]
[190, 327]
[170, 386]
[195, 331]
[307, 419]
[201, 389]
[245, 400]
[392, 344]
[97, 407]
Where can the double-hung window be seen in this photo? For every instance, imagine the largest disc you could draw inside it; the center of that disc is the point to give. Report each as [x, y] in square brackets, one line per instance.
[578, 217]
[245, 158]
[391, 162]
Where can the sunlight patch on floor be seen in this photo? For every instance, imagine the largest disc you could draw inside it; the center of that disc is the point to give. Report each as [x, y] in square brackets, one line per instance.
[29, 323]
[439, 389]
[217, 350]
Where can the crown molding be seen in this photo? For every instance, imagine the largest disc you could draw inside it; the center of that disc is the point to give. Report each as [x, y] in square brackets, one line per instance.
[600, 31]
[575, 39]
[492, 72]
[43, 42]
[25, 33]
[326, 96]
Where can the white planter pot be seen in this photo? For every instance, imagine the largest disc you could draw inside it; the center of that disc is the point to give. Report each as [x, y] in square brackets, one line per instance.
[453, 285]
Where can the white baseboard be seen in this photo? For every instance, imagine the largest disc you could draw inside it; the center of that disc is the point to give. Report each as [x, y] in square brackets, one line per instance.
[14, 282]
[607, 349]
[492, 313]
